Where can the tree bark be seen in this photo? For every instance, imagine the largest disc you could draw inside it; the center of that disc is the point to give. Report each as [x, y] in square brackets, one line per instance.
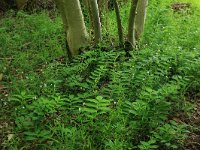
[75, 28]
[140, 18]
[96, 20]
[119, 23]
[131, 23]
[87, 6]
[61, 8]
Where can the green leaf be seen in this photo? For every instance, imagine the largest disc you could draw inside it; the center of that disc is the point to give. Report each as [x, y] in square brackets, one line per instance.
[90, 110]
[91, 105]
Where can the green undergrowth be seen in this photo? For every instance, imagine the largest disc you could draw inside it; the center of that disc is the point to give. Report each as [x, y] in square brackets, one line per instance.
[29, 40]
[101, 100]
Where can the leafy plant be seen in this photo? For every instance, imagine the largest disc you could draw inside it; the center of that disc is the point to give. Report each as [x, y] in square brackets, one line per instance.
[94, 107]
[165, 136]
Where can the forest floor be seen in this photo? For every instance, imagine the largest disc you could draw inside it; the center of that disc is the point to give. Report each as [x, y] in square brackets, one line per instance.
[101, 100]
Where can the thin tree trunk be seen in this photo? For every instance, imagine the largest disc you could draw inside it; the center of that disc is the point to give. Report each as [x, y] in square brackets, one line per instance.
[96, 20]
[101, 9]
[87, 6]
[131, 24]
[140, 18]
[107, 17]
[119, 24]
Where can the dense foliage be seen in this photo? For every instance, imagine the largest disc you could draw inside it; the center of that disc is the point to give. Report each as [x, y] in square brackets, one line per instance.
[102, 99]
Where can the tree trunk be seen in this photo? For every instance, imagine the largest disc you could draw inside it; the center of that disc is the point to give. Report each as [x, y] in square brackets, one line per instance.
[140, 18]
[119, 23]
[61, 8]
[96, 20]
[131, 23]
[75, 28]
[88, 7]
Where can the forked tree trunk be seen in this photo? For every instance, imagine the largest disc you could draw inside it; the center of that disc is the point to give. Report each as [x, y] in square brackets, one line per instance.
[131, 23]
[140, 18]
[75, 28]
